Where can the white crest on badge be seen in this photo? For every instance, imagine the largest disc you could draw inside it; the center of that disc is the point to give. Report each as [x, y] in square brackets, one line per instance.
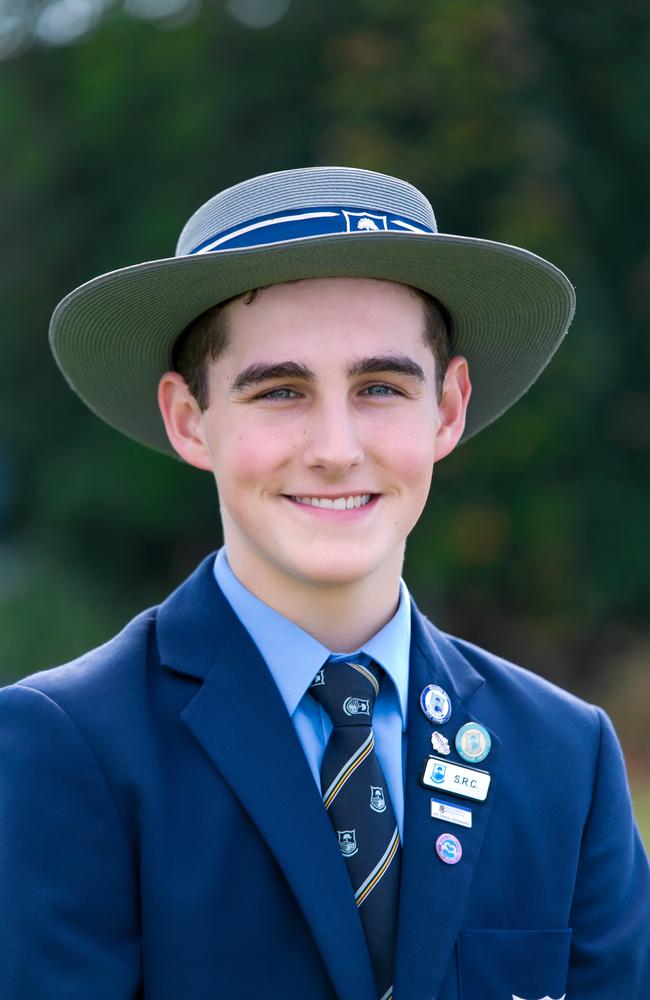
[318, 679]
[541, 998]
[438, 773]
[377, 800]
[356, 706]
[347, 842]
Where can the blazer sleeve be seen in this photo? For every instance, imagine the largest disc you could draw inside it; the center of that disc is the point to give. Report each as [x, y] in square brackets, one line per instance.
[610, 954]
[68, 892]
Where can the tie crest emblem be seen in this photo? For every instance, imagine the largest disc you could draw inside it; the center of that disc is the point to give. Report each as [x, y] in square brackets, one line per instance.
[347, 842]
[356, 706]
[377, 800]
[319, 679]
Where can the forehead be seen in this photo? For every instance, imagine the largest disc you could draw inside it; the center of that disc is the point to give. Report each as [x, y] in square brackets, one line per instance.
[327, 314]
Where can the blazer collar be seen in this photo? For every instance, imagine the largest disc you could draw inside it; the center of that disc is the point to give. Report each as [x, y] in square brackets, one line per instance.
[199, 635]
[194, 623]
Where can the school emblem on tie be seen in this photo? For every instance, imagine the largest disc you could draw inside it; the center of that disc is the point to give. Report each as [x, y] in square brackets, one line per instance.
[356, 706]
[377, 800]
[347, 842]
[318, 679]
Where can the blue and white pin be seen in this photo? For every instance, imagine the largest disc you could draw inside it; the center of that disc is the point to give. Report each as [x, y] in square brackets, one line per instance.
[436, 704]
[473, 742]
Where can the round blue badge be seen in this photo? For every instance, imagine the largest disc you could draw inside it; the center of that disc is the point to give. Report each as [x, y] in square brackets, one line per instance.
[435, 703]
[473, 742]
[449, 848]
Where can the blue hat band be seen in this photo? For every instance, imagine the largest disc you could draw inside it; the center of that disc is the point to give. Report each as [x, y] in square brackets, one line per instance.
[280, 227]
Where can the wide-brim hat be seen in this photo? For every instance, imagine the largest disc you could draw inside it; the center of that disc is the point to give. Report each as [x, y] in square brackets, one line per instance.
[508, 309]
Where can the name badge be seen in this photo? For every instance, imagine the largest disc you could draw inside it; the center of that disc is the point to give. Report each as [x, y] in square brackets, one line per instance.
[468, 782]
[451, 814]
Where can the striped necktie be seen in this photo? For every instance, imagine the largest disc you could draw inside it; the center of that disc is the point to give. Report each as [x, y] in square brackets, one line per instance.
[356, 798]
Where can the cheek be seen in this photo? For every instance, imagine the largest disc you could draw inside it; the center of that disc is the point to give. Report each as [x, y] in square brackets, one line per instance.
[249, 458]
[411, 457]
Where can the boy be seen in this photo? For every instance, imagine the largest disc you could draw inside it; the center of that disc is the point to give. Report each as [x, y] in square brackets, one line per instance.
[285, 781]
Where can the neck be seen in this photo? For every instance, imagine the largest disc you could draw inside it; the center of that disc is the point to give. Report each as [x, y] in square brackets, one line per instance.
[342, 616]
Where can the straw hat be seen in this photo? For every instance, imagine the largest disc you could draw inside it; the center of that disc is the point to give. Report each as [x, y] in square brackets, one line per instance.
[113, 336]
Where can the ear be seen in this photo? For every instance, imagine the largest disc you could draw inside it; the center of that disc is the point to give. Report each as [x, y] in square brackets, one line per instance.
[183, 420]
[452, 409]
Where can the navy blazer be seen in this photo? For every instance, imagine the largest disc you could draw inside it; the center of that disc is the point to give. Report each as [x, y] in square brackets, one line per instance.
[162, 836]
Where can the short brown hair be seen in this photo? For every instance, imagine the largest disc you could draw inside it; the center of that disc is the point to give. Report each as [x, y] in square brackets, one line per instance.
[206, 338]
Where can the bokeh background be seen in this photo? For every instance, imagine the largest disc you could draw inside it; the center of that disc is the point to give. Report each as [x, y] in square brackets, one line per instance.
[523, 122]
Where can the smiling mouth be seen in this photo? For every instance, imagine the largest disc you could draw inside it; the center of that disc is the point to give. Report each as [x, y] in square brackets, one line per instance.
[338, 503]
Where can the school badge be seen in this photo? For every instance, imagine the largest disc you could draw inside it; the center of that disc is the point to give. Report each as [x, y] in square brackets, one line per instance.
[436, 704]
[347, 842]
[356, 706]
[377, 800]
[473, 742]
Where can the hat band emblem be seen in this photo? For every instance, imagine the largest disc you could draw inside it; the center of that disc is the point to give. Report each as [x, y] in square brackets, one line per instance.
[300, 224]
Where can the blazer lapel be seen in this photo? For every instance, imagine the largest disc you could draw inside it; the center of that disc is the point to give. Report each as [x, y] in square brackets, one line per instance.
[434, 894]
[241, 722]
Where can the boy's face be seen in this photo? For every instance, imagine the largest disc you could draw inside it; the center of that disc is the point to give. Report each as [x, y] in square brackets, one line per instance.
[324, 424]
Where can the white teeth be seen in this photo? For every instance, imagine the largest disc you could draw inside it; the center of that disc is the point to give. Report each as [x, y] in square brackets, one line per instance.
[341, 503]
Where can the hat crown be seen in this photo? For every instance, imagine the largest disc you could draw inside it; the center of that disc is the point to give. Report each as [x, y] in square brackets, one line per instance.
[304, 188]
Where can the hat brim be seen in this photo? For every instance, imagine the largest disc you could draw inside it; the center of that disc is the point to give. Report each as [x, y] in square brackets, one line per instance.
[112, 337]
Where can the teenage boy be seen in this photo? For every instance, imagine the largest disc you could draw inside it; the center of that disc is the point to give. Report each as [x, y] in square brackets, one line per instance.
[284, 781]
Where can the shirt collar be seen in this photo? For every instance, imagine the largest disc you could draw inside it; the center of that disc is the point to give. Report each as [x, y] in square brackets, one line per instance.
[294, 657]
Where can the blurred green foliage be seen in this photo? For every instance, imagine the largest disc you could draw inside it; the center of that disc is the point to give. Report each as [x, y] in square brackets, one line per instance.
[523, 122]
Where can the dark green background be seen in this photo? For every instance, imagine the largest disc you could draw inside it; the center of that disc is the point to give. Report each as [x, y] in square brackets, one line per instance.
[522, 122]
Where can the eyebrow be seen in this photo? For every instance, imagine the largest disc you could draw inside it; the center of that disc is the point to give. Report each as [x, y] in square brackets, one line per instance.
[261, 371]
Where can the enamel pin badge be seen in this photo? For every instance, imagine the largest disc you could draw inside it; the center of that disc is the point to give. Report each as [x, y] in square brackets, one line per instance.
[449, 848]
[468, 782]
[440, 743]
[473, 742]
[435, 703]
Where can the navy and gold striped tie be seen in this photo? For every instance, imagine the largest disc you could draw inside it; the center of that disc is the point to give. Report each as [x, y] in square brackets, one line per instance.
[356, 797]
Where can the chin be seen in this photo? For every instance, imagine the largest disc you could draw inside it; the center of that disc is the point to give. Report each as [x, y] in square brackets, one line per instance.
[331, 571]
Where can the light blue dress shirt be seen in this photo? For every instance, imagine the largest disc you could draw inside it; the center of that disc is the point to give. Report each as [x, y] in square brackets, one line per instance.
[294, 657]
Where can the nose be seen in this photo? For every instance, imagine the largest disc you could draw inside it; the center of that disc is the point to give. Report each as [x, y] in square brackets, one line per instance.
[333, 437]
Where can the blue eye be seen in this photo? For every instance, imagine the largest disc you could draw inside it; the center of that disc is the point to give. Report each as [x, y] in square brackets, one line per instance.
[273, 394]
[387, 389]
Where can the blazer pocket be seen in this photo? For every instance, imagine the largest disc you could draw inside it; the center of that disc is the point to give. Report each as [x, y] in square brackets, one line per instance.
[502, 965]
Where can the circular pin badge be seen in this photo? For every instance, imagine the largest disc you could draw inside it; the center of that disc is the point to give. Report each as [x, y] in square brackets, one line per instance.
[435, 703]
[449, 848]
[473, 742]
